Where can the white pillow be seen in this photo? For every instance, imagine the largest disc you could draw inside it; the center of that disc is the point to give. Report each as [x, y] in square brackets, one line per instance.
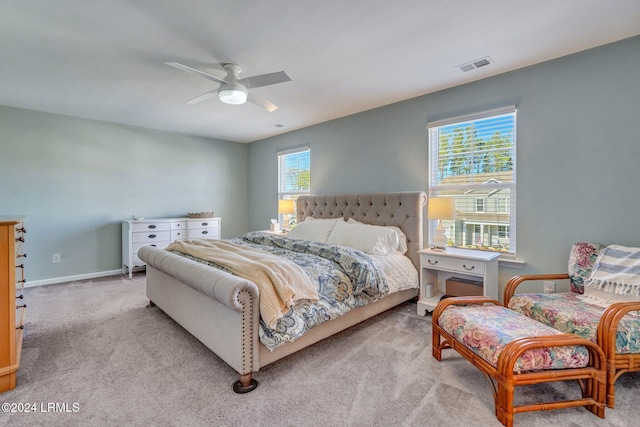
[371, 239]
[317, 230]
[402, 248]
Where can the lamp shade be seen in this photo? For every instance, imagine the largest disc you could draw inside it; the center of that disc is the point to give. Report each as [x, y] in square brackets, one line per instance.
[286, 207]
[441, 208]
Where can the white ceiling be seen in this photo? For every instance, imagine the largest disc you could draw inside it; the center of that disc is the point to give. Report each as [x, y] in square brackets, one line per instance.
[105, 59]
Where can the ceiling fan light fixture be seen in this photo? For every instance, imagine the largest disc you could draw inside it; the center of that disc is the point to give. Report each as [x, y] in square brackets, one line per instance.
[233, 94]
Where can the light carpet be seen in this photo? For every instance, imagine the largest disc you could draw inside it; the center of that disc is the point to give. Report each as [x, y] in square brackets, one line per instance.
[93, 355]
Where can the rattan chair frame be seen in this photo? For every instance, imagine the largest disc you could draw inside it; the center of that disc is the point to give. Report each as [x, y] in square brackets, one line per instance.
[617, 363]
[504, 378]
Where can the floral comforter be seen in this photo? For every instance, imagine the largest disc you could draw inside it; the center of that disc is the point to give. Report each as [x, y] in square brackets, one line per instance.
[345, 278]
[567, 313]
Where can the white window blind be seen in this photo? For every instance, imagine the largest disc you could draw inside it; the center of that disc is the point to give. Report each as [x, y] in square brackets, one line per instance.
[472, 160]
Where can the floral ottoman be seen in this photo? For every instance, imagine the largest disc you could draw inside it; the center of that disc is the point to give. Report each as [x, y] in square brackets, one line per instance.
[513, 350]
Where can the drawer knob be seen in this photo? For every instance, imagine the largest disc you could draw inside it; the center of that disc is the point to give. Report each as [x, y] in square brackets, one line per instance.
[205, 232]
[204, 224]
[152, 236]
[468, 268]
[152, 226]
[432, 262]
[20, 239]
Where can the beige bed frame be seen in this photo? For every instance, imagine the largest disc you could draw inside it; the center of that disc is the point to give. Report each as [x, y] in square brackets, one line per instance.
[222, 311]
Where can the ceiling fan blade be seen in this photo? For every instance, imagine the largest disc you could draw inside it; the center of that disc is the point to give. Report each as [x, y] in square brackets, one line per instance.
[262, 102]
[203, 97]
[266, 79]
[194, 71]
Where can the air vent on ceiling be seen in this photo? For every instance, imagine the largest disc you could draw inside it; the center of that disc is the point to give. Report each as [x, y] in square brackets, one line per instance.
[478, 63]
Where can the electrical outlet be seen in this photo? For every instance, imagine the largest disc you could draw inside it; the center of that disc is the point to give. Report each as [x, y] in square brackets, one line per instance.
[56, 258]
[549, 287]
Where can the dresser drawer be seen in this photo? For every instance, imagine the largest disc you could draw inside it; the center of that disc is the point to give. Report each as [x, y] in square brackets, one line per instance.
[150, 226]
[178, 234]
[151, 236]
[204, 228]
[136, 247]
[204, 233]
[160, 244]
[452, 264]
[178, 225]
[203, 223]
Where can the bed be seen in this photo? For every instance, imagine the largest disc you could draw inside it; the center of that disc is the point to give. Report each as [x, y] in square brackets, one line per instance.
[222, 310]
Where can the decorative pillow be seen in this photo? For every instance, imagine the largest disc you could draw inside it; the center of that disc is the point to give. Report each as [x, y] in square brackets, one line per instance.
[316, 230]
[583, 257]
[402, 248]
[371, 239]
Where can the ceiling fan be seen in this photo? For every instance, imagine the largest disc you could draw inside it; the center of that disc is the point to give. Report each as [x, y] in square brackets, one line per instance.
[234, 90]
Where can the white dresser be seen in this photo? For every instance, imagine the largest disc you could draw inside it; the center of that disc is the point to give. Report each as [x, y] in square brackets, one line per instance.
[160, 232]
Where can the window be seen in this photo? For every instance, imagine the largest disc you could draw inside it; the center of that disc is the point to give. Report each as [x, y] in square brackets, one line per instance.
[472, 160]
[294, 178]
[503, 204]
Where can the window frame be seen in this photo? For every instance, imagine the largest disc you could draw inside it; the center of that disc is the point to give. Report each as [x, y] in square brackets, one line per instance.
[438, 186]
[283, 193]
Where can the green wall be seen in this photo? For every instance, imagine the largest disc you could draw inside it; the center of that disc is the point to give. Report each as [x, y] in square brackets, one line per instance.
[578, 151]
[77, 179]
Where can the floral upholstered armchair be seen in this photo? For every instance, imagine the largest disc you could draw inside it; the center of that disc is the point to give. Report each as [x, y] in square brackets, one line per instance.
[614, 324]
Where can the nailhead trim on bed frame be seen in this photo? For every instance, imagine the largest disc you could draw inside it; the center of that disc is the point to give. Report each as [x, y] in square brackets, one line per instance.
[244, 298]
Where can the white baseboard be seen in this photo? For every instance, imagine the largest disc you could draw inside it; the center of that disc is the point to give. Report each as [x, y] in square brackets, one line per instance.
[33, 283]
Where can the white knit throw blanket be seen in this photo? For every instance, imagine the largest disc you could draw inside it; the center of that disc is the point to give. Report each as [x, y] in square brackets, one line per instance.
[281, 282]
[617, 271]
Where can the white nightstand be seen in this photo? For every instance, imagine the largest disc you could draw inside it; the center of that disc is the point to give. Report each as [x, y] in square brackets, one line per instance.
[437, 266]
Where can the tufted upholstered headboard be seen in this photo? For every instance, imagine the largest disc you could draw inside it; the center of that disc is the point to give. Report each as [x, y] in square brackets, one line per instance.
[402, 209]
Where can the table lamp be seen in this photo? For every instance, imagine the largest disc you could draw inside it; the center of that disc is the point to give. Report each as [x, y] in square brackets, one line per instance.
[440, 208]
[286, 208]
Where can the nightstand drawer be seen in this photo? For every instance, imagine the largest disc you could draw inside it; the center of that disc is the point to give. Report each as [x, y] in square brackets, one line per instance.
[452, 264]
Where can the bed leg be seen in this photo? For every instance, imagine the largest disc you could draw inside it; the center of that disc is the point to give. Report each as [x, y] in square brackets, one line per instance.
[245, 384]
[151, 304]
